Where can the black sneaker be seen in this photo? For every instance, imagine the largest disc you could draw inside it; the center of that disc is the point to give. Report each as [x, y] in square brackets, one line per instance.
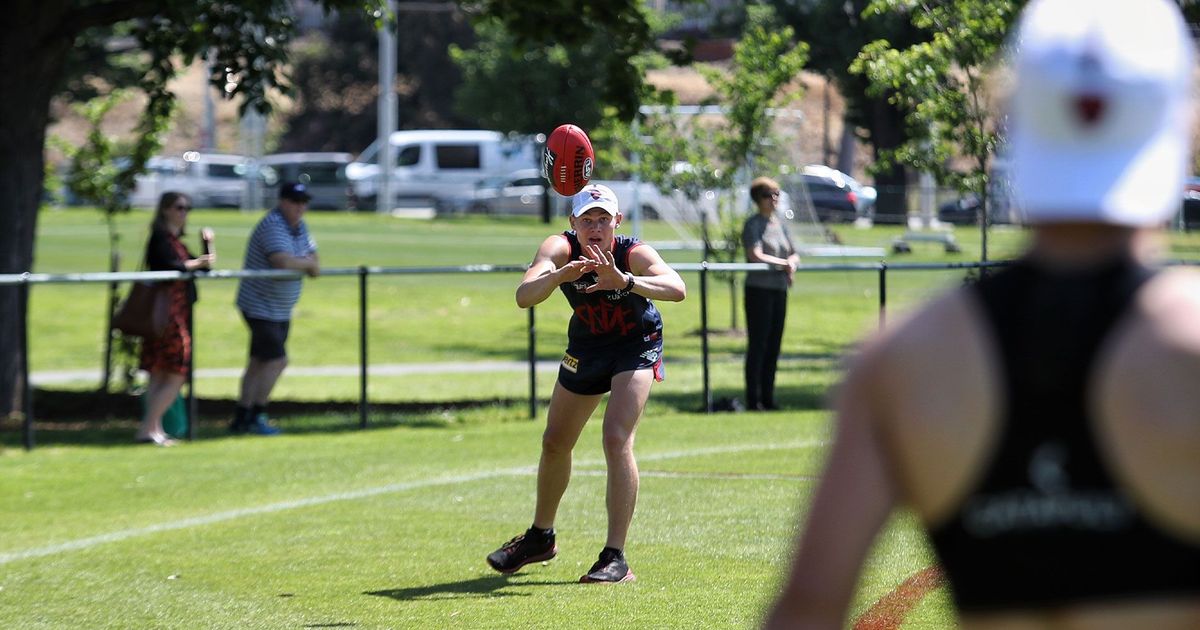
[522, 550]
[609, 569]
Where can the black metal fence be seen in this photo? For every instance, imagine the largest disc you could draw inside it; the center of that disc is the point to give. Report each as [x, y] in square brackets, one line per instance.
[26, 280]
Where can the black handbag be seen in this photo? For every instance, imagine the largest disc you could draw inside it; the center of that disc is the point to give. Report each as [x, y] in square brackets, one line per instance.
[145, 311]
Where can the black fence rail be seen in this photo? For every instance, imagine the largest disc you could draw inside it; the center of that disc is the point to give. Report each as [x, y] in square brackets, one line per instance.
[25, 281]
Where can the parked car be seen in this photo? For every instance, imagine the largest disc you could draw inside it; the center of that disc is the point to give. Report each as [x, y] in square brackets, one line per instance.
[323, 173]
[1191, 204]
[219, 180]
[833, 199]
[518, 192]
[437, 164]
[653, 204]
[965, 211]
[864, 196]
[162, 174]
[961, 211]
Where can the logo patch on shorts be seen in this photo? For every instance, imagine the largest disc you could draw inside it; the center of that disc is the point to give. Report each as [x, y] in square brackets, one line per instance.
[650, 355]
[570, 363]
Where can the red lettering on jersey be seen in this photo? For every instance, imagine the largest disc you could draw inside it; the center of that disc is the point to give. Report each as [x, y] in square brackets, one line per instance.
[602, 318]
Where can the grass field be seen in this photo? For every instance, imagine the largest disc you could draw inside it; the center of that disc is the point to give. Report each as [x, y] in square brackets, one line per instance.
[387, 528]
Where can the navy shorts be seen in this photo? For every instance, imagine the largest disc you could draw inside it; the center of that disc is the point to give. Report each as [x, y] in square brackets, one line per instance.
[267, 338]
[589, 371]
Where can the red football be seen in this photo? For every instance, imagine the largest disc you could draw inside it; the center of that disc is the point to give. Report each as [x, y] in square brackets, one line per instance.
[568, 159]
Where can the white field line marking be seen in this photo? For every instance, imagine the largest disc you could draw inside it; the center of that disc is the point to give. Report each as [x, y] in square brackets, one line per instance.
[270, 508]
[667, 474]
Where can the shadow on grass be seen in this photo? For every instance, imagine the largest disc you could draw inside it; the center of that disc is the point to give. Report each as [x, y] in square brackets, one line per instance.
[794, 398]
[480, 587]
[90, 418]
[70, 417]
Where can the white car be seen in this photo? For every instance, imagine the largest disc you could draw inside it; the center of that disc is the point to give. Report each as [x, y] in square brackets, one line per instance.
[220, 180]
[163, 174]
[517, 193]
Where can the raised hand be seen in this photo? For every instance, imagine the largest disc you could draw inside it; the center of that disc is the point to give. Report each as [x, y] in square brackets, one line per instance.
[608, 277]
[575, 269]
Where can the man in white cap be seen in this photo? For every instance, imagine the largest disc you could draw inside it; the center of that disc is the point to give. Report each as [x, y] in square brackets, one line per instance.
[615, 341]
[1042, 424]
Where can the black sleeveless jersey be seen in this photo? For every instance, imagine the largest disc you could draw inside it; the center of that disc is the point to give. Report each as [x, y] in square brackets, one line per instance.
[1048, 525]
[608, 317]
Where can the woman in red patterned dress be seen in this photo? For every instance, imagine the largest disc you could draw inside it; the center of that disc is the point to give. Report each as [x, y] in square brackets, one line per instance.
[166, 358]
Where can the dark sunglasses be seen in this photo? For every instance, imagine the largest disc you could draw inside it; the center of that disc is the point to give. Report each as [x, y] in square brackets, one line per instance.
[184, 207]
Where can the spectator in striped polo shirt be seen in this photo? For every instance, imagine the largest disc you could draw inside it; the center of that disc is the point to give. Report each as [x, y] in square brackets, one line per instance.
[279, 241]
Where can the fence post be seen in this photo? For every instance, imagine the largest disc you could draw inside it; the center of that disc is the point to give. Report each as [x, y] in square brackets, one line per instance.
[192, 416]
[113, 299]
[882, 294]
[708, 404]
[27, 394]
[362, 347]
[532, 366]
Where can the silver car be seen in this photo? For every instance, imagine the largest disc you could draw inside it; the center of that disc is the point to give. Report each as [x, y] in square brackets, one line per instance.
[323, 173]
[517, 193]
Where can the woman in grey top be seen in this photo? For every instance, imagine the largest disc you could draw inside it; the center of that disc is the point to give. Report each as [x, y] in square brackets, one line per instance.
[766, 239]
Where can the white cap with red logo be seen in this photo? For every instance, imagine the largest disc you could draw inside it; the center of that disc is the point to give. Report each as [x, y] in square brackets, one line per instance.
[1102, 111]
[594, 196]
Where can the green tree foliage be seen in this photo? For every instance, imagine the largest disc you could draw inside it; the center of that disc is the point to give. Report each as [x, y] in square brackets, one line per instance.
[765, 61]
[623, 24]
[248, 41]
[335, 72]
[51, 47]
[692, 155]
[836, 30]
[102, 172]
[944, 85]
[530, 88]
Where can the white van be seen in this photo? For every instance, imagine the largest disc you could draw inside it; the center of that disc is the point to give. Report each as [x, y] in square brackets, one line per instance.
[432, 165]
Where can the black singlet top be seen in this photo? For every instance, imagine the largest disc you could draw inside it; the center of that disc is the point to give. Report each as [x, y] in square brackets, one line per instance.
[608, 317]
[1048, 525]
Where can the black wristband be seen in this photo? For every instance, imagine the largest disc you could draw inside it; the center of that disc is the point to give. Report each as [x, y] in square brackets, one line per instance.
[628, 287]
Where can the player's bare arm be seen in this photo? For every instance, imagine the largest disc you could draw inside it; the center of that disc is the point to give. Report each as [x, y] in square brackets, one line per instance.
[549, 269]
[652, 277]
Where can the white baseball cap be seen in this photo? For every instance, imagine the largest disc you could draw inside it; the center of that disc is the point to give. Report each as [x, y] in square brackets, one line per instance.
[594, 196]
[1101, 113]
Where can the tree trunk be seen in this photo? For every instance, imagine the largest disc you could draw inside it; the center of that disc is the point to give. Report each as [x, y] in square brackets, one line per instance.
[846, 148]
[31, 65]
[887, 132]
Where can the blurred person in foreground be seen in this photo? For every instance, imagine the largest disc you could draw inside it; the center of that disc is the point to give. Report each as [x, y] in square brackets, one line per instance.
[766, 239]
[1043, 423]
[615, 344]
[166, 357]
[279, 241]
